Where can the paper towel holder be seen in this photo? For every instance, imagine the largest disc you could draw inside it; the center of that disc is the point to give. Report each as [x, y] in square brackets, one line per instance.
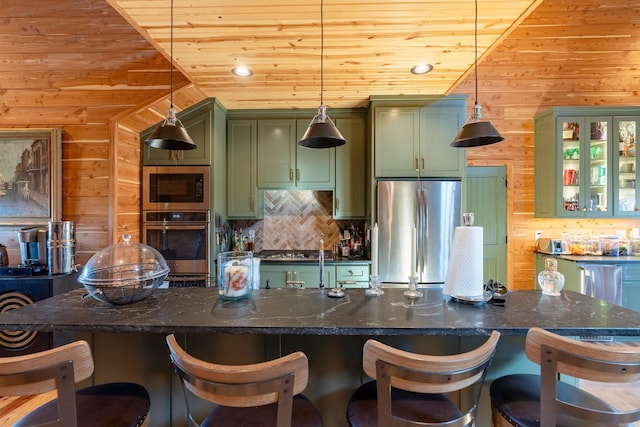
[467, 219]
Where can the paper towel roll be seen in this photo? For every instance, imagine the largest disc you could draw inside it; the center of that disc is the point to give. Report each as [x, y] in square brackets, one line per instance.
[465, 276]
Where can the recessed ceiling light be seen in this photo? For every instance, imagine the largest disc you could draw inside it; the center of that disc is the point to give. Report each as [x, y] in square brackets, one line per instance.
[421, 69]
[242, 71]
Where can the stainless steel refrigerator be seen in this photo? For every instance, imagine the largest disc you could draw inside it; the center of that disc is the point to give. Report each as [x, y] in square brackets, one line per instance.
[433, 207]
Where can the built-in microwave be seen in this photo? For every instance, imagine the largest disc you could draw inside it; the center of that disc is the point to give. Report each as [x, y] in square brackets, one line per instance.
[170, 188]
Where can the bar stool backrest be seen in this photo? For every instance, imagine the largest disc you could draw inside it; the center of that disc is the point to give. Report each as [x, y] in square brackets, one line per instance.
[243, 385]
[58, 368]
[601, 362]
[421, 373]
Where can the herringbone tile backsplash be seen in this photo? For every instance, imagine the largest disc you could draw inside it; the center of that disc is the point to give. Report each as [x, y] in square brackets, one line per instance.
[296, 220]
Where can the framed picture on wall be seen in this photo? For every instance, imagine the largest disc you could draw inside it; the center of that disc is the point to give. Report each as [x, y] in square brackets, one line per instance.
[30, 176]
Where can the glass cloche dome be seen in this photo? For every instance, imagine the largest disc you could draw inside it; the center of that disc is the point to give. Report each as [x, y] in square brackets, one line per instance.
[124, 273]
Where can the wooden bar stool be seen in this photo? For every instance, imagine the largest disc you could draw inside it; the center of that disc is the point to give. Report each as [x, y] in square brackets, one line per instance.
[261, 394]
[108, 405]
[542, 400]
[413, 389]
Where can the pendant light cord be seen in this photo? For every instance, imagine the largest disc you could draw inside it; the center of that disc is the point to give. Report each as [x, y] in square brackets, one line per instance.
[475, 62]
[321, 51]
[171, 59]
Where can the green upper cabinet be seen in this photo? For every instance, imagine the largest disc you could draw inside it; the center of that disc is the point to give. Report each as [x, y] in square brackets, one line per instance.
[282, 164]
[198, 121]
[349, 193]
[243, 197]
[397, 142]
[626, 197]
[315, 169]
[412, 138]
[585, 162]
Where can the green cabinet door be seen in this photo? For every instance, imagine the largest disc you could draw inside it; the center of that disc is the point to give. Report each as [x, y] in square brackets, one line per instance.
[198, 123]
[276, 154]
[397, 142]
[585, 163]
[354, 275]
[413, 141]
[315, 167]
[284, 165]
[349, 193]
[243, 197]
[438, 127]
[631, 286]
[277, 275]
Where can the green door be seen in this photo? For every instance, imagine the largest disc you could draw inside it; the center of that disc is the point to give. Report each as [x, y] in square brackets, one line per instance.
[486, 197]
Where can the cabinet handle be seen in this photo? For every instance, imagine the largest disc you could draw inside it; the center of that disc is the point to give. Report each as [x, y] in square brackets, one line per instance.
[297, 175]
[290, 175]
[337, 203]
[422, 158]
[416, 161]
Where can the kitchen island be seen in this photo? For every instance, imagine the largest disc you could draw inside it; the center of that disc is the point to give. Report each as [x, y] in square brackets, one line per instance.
[128, 341]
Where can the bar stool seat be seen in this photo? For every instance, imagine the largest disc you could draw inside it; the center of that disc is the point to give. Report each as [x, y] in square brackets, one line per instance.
[526, 400]
[413, 389]
[517, 399]
[104, 405]
[362, 409]
[303, 413]
[262, 394]
[118, 404]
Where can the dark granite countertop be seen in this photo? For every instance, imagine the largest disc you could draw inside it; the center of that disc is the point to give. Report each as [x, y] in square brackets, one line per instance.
[311, 312]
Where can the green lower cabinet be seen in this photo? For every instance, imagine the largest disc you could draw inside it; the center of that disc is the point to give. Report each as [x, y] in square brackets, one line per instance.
[631, 286]
[278, 275]
[352, 275]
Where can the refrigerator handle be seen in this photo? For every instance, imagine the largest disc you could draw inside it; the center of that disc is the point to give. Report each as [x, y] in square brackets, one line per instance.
[423, 233]
[418, 225]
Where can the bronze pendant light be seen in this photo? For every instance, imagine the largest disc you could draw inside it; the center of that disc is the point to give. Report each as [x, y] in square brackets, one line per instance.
[476, 132]
[171, 135]
[321, 133]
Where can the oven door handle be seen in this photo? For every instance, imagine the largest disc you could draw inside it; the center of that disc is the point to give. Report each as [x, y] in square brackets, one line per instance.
[176, 227]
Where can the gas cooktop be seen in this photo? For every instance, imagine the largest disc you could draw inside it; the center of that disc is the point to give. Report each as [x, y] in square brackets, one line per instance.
[292, 255]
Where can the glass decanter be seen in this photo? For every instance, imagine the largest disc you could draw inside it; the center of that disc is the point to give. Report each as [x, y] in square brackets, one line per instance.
[551, 281]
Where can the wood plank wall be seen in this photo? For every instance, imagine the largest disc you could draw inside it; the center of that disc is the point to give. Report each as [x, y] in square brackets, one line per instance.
[78, 87]
[586, 59]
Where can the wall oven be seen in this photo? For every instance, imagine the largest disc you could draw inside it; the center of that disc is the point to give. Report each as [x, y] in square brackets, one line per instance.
[182, 237]
[175, 188]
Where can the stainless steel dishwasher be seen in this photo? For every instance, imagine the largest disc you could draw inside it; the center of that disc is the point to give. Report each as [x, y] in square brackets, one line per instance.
[602, 281]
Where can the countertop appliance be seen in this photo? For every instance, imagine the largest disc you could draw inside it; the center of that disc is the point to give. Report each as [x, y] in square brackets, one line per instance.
[547, 245]
[175, 188]
[433, 207]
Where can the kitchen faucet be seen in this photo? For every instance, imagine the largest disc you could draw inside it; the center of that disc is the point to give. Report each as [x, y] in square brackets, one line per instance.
[321, 263]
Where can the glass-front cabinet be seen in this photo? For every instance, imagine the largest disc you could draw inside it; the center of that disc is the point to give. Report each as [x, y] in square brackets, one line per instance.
[586, 180]
[585, 162]
[627, 195]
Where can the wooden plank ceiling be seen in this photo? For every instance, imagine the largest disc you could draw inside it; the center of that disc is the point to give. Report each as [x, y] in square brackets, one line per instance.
[369, 46]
